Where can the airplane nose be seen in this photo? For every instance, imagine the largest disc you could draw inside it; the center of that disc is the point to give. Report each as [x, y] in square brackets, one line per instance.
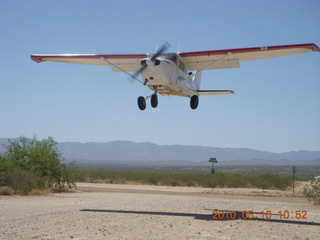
[149, 62]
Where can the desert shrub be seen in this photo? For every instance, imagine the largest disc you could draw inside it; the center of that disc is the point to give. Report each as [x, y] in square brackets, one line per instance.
[235, 180]
[219, 179]
[282, 182]
[267, 180]
[263, 181]
[313, 191]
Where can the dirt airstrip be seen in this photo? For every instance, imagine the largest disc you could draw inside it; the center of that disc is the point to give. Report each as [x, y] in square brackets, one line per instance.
[104, 211]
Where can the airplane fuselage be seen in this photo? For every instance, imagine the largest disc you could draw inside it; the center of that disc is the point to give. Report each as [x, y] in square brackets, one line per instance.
[166, 78]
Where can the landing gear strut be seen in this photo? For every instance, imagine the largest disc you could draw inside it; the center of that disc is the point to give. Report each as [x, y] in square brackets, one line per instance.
[194, 101]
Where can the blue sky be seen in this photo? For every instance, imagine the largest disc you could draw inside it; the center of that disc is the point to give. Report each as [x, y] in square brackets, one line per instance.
[277, 102]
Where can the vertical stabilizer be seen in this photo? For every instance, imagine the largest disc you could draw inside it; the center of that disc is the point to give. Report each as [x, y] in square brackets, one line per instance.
[197, 80]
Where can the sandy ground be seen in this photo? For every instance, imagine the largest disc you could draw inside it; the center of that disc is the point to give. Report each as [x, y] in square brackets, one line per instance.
[104, 211]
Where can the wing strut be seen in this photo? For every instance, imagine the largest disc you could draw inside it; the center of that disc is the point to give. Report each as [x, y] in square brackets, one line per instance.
[131, 76]
[198, 72]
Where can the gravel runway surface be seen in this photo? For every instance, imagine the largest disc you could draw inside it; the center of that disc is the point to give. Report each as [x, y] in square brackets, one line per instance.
[105, 211]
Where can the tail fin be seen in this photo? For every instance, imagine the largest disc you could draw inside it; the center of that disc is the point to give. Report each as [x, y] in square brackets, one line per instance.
[197, 80]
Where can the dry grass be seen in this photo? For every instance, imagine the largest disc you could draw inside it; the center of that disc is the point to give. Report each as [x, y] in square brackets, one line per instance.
[6, 191]
[253, 193]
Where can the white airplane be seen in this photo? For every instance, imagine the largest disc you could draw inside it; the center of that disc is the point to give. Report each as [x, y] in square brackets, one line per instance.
[176, 73]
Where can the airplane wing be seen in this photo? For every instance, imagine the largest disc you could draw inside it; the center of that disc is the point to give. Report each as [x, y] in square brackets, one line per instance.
[118, 62]
[203, 59]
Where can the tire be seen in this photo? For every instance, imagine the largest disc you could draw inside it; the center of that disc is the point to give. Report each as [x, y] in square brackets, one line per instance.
[142, 103]
[194, 101]
[154, 100]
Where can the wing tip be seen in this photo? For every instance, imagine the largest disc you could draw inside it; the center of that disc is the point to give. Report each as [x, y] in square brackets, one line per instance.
[317, 49]
[311, 46]
[36, 58]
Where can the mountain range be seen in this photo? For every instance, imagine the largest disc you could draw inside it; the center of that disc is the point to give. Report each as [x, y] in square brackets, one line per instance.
[127, 152]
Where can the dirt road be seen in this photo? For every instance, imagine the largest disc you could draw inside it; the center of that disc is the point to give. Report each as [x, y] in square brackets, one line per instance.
[104, 211]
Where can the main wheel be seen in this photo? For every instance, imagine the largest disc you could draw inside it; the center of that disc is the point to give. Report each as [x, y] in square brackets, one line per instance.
[142, 103]
[194, 101]
[154, 100]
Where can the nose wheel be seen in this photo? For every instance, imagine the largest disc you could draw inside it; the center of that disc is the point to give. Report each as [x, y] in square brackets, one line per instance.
[142, 101]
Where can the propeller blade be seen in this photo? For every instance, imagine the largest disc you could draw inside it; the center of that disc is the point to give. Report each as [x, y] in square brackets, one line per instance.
[163, 48]
[139, 71]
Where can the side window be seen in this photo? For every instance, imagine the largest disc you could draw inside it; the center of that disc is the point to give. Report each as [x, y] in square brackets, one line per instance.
[182, 66]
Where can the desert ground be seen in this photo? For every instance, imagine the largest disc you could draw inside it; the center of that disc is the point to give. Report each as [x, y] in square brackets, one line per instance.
[106, 211]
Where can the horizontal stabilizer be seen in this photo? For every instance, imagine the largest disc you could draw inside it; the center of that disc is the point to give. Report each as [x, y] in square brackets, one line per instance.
[214, 92]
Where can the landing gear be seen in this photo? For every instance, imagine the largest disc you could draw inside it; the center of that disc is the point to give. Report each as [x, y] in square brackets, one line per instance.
[194, 101]
[142, 103]
[154, 100]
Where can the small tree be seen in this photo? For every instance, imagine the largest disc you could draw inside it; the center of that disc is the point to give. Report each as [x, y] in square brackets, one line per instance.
[30, 163]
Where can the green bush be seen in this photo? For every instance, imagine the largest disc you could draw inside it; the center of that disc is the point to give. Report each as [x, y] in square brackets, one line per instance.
[30, 164]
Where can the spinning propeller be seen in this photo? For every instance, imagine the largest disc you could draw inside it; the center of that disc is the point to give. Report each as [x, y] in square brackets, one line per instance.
[152, 60]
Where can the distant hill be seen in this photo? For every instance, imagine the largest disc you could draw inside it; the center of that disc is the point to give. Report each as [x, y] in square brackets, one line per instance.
[125, 152]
